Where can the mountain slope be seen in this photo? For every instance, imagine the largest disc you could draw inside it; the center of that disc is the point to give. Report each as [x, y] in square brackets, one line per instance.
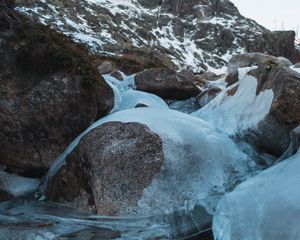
[199, 34]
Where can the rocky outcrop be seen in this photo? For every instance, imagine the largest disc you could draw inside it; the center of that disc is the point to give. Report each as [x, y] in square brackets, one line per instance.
[109, 169]
[273, 133]
[194, 33]
[277, 43]
[49, 93]
[166, 83]
[248, 60]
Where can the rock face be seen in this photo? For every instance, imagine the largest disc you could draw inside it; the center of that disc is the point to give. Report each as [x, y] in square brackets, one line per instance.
[194, 33]
[109, 169]
[273, 133]
[166, 83]
[49, 93]
[277, 43]
[248, 60]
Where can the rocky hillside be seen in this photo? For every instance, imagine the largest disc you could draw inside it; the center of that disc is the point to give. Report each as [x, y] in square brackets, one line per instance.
[198, 34]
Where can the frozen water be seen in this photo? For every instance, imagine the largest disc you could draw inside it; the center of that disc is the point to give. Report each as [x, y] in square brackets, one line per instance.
[195, 171]
[243, 110]
[126, 97]
[16, 185]
[264, 207]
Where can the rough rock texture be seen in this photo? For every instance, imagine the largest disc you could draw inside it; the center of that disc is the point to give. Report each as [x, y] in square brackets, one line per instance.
[109, 169]
[206, 96]
[166, 83]
[194, 33]
[273, 133]
[277, 43]
[49, 93]
[250, 59]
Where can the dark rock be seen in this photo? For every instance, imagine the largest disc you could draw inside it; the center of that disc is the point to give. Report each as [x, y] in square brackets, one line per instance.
[141, 105]
[117, 75]
[248, 60]
[166, 83]
[106, 68]
[109, 169]
[277, 43]
[273, 133]
[49, 93]
[207, 95]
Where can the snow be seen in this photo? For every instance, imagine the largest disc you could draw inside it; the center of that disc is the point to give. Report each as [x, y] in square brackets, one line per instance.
[16, 185]
[189, 146]
[264, 207]
[243, 110]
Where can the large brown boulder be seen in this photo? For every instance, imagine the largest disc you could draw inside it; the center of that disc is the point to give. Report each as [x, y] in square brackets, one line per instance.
[109, 169]
[166, 83]
[248, 60]
[49, 93]
[277, 43]
[273, 133]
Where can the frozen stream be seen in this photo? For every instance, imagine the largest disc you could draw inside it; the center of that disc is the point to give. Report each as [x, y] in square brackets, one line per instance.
[202, 163]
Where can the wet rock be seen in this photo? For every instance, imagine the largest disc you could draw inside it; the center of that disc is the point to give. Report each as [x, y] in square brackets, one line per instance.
[207, 95]
[109, 169]
[49, 93]
[273, 133]
[250, 59]
[166, 83]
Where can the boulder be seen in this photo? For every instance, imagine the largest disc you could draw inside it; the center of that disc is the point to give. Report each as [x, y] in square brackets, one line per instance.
[106, 68]
[117, 75]
[277, 43]
[207, 95]
[273, 133]
[109, 169]
[166, 83]
[49, 93]
[250, 59]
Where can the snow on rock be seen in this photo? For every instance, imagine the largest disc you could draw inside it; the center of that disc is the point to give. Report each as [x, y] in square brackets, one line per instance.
[264, 207]
[194, 170]
[243, 110]
[199, 34]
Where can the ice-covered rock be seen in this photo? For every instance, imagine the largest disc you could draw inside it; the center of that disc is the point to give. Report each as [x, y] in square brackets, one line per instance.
[194, 170]
[237, 113]
[272, 135]
[264, 207]
[13, 186]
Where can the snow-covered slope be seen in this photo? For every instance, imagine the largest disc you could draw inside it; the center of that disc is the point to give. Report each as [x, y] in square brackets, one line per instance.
[199, 34]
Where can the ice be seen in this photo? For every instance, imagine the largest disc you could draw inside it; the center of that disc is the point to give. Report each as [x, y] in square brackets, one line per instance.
[265, 207]
[243, 110]
[195, 170]
[16, 185]
[126, 97]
